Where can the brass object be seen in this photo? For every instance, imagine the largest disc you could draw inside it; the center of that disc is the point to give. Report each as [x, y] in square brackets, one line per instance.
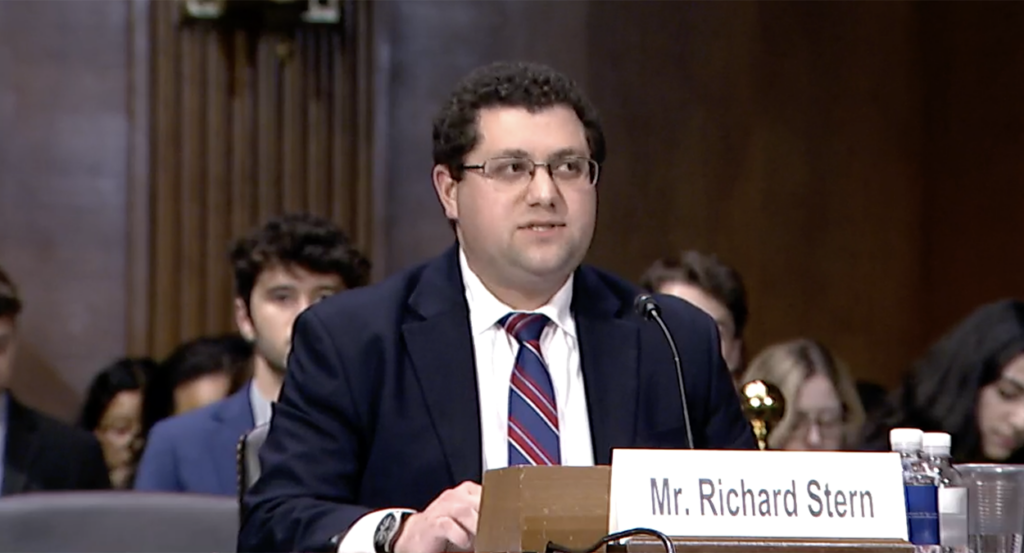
[764, 406]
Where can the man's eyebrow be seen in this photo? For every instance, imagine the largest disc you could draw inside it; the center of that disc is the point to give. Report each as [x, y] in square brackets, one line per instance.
[513, 152]
[568, 152]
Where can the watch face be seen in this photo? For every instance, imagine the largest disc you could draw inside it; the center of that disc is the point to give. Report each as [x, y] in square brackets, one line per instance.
[385, 530]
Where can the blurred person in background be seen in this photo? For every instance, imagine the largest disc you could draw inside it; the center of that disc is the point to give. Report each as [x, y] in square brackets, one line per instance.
[38, 452]
[874, 397]
[197, 373]
[113, 413]
[280, 269]
[823, 410]
[714, 287]
[970, 383]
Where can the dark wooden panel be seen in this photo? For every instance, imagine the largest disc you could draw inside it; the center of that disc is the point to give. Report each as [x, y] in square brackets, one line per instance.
[975, 137]
[245, 127]
[786, 138]
[63, 162]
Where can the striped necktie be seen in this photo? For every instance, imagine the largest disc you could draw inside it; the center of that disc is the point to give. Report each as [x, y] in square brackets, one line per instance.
[532, 413]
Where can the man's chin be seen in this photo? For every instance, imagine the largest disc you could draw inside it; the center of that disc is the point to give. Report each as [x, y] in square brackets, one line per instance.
[278, 368]
[545, 265]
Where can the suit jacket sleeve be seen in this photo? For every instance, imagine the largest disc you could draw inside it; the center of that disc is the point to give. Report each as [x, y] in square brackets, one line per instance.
[727, 427]
[314, 453]
[158, 468]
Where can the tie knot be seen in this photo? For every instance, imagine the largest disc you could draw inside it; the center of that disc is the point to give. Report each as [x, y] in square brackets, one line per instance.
[525, 327]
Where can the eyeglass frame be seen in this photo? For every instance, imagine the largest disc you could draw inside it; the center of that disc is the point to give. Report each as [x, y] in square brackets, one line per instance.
[595, 168]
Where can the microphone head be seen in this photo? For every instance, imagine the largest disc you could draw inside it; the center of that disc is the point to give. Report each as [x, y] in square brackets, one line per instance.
[646, 306]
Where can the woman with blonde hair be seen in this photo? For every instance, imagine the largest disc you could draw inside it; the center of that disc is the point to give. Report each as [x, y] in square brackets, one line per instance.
[823, 410]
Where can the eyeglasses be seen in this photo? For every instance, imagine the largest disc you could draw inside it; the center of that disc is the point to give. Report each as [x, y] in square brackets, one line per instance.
[571, 171]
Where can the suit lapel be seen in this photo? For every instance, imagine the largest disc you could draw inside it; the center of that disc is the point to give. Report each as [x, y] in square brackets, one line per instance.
[609, 359]
[440, 348]
[234, 419]
[20, 448]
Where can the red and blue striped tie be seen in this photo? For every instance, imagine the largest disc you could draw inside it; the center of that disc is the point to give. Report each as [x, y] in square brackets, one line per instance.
[532, 413]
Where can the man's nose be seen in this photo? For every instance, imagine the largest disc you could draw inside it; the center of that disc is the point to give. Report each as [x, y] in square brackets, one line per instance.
[814, 435]
[542, 189]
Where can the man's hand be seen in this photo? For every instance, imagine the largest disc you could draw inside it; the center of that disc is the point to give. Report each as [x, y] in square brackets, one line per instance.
[447, 524]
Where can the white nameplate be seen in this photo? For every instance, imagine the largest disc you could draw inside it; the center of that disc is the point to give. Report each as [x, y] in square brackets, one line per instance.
[758, 494]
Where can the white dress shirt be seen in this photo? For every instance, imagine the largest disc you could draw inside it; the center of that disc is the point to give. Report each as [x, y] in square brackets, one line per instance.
[261, 407]
[495, 353]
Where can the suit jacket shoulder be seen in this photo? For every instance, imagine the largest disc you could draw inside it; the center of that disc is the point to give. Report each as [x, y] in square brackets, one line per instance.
[194, 451]
[44, 453]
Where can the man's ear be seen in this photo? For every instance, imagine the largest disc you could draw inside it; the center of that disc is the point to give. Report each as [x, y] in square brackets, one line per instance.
[244, 321]
[447, 190]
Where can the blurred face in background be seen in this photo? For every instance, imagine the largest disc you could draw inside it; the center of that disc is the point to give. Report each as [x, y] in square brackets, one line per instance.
[118, 434]
[8, 345]
[732, 345]
[1001, 413]
[819, 416]
[280, 294]
[202, 391]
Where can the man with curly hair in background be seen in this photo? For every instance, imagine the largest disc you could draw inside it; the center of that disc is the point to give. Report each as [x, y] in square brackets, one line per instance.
[281, 269]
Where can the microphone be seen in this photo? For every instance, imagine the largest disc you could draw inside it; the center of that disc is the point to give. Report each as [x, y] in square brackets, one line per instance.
[647, 307]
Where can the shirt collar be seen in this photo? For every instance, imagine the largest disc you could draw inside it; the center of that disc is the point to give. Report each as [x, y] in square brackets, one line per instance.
[261, 408]
[485, 310]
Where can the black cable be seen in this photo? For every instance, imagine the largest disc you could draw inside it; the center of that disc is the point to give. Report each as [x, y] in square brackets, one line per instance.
[669, 547]
[679, 375]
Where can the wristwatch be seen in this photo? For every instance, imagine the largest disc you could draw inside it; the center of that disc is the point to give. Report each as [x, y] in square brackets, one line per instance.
[387, 532]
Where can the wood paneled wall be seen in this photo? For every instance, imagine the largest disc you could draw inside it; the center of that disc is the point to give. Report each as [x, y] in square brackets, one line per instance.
[243, 127]
[63, 158]
[973, 72]
[786, 139]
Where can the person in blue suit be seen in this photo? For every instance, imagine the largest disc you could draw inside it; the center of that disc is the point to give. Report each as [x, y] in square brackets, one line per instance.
[503, 350]
[280, 269]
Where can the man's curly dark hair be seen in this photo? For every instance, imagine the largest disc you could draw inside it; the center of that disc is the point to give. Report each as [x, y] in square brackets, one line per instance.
[302, 240]
[507, 84]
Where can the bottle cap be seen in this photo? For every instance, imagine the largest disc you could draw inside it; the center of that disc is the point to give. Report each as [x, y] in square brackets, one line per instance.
[936, 442]
[905, 438]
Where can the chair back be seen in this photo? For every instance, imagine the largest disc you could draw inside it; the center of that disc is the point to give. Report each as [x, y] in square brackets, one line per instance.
[248, 461]
[118, 522]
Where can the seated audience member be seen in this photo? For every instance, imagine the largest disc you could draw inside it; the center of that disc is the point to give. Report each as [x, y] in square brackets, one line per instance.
[823, 410]
[715, 288]
[197, 373]
[874, 397]
[39, 453]
[282, 268]
[113, 413]
[970, 383]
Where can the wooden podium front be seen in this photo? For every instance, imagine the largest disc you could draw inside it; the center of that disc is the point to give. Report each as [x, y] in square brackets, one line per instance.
[523, 509]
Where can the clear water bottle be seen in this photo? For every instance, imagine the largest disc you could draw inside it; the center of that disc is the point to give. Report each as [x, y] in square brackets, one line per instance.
[919, 489]
[952, 493]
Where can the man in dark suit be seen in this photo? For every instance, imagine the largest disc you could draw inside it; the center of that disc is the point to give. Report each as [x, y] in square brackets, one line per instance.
[280, 269]
[39, 453]
[502, 351]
